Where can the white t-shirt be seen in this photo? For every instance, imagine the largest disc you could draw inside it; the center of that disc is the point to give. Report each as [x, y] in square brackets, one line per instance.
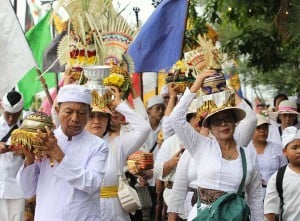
[291, 196]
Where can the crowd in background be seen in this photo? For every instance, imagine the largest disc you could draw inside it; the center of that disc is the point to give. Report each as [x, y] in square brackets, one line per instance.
[195, 156]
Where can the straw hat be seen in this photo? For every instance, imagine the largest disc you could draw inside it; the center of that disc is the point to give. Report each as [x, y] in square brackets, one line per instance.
[214, 103]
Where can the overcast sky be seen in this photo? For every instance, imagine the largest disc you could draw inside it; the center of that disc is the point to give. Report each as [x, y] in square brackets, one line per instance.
[144, 5]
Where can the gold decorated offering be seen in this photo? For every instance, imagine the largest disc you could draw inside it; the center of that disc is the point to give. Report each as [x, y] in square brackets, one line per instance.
[181, 75]
[120, 78]
[140, 161]
[26, 135]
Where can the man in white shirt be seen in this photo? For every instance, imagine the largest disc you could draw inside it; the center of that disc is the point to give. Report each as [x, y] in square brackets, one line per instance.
[69, 190]
[12, 203]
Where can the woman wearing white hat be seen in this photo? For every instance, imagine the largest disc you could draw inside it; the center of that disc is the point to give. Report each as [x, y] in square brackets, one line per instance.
[286, 116]
[218, 161]
[269, 155]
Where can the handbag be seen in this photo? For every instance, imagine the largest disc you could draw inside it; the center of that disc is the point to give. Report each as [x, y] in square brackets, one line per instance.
[228, 207]
[127, 195]
[144, 196]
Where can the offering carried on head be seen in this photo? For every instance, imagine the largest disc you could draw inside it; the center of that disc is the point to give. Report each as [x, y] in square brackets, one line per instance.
[140, 161]
[182, 75]
[25, 136]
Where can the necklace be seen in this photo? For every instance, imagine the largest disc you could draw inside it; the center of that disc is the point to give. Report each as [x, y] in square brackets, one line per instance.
[228, 154]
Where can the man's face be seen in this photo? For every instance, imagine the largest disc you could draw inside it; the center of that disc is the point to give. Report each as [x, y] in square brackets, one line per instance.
[292, 152]
[116, 120]
[11, 118]
[156, 112]
[73, 117]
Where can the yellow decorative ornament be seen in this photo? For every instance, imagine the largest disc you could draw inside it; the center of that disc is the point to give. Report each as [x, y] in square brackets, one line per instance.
[25, 137]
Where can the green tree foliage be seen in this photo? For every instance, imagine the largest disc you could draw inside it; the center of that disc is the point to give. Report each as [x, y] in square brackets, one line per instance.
[266, 33]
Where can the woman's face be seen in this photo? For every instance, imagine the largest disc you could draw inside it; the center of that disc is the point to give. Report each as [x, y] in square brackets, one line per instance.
[222, 125]
[97, 123]
[287, 120]
[261, 133]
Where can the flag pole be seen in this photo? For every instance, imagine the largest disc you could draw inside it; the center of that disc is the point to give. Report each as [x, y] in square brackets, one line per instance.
[45, 87]
[185, 24]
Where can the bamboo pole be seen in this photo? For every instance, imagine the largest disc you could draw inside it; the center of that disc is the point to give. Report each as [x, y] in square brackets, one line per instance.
[45, 87]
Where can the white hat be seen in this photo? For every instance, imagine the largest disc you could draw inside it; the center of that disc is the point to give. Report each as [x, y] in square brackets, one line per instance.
[290, 134]
[74, 93]
[154, 100]
[261, 119]
[287, 107]
[164, 90]
[12, 102]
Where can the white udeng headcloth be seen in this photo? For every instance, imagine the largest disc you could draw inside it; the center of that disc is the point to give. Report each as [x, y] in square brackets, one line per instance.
[290, 134]
[6, 105]
[74, 93]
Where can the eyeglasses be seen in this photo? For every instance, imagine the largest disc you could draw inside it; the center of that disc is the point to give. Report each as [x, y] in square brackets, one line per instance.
[218, 121]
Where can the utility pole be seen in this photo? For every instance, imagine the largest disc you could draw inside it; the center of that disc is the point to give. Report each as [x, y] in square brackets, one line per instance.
[136, 11]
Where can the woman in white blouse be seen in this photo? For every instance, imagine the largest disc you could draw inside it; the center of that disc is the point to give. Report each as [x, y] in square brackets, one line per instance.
[120, 148]
[218, 161]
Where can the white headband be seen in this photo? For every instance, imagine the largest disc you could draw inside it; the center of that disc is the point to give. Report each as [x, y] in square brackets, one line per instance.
[9, 108]
[290, 134]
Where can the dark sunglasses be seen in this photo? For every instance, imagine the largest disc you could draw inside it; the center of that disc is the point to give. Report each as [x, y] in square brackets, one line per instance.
[218, 121]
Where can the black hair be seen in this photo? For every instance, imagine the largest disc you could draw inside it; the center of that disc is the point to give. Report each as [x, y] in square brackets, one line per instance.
[248, 102]
[189, 116]
[279, 96]
[13, 97]
[279, 121]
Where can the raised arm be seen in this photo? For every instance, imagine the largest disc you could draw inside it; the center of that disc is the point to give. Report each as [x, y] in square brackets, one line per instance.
[140, 130]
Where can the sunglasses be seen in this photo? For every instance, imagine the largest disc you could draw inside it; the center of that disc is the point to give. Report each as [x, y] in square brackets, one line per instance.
[218, 121]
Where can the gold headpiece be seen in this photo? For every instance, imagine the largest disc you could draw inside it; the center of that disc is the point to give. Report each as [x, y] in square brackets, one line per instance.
[211, 104]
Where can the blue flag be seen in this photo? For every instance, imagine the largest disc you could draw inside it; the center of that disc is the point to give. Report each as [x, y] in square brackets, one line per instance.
[159, 42]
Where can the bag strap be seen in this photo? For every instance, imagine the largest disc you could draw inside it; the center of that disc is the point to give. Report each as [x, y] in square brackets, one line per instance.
[5, 138]
[153, 147]
[244, 163]
[279, 180]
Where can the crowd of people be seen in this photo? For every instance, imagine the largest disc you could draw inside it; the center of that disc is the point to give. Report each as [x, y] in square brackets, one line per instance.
[199, 144]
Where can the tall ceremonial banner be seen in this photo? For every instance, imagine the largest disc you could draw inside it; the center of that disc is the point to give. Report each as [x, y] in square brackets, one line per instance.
[16, 57]
[38, 37]
[158, 45]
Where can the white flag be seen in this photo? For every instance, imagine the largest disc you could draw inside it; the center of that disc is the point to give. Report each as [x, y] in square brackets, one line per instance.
[16, 57]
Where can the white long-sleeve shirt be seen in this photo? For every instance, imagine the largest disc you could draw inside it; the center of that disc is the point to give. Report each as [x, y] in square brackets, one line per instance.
[121, 147]
[9, 167]
[213, 171]
[290, 194]
[69, 191]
